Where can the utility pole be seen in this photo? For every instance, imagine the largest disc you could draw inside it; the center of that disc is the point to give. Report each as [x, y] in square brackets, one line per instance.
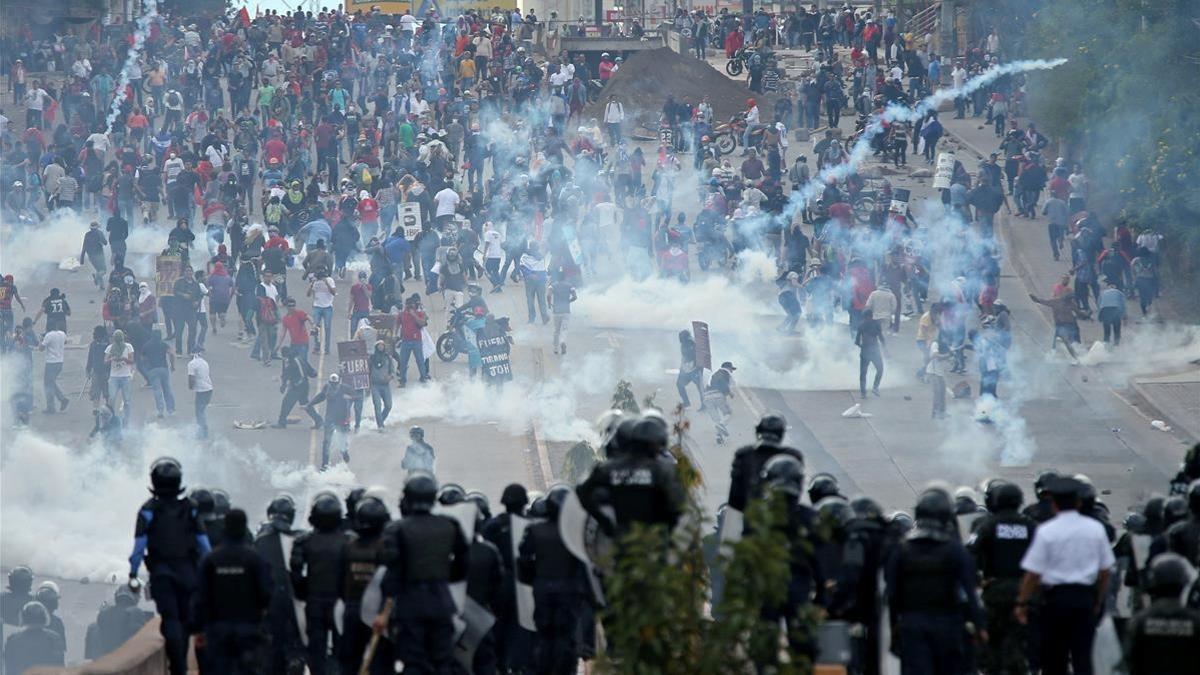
[947, 31]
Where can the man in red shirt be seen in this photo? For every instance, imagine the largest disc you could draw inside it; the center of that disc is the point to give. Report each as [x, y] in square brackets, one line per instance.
[360, 301]
[325, 136]
[295, 331]
[409, 325]
[368, 214]
[275, 149]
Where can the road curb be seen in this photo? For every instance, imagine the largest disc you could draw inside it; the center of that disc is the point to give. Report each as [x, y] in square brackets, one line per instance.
[1181, 427]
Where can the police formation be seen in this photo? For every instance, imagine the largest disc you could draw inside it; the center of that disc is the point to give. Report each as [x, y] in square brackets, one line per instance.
[964, 585]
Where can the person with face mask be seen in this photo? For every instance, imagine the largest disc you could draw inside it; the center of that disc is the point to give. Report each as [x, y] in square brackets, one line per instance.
[382, 370]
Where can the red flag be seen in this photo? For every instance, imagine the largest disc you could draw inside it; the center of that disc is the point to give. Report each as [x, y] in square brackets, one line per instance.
[244, 16]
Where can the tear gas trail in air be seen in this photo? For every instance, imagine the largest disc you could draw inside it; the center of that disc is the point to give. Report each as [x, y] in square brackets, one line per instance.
[139, 42]
[901, 113]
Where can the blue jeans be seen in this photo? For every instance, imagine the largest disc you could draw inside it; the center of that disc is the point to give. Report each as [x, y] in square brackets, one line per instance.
[160, 384]
[381, 394]
[324, 315]
[412, 347]
[121, 385]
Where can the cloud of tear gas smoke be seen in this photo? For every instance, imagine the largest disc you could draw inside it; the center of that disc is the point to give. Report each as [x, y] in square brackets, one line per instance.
[30, 252]
[140, 33]
[69, 509]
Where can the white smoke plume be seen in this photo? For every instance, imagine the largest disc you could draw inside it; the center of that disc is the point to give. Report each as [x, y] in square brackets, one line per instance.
[140, 33]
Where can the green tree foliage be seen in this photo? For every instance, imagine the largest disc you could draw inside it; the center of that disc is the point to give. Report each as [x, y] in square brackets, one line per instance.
[1126, 105]
[658, 618]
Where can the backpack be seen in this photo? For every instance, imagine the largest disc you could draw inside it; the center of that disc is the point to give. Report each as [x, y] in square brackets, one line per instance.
[274, 213]
[268, 313]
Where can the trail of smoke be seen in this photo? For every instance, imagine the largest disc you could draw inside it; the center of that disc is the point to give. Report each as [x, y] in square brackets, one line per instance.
[901, 113]
[135, 50]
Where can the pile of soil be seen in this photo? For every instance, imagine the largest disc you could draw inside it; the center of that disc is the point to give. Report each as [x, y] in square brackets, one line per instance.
[646, 78]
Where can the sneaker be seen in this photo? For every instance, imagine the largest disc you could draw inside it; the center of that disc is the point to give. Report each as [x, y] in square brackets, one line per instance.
[345, 457]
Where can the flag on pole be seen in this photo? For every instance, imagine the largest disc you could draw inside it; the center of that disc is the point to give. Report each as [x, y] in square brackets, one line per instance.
[244, 17]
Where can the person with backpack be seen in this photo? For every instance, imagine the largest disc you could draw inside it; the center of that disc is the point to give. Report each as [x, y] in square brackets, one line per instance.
[267, 319]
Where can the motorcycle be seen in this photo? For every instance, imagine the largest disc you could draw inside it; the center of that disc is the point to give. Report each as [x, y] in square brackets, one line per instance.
[453, 341]
[714, 248]
[727, 136]
[738, 63]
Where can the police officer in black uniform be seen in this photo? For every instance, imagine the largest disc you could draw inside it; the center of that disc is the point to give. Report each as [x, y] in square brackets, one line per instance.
[511, 639]
[856, 595]
[1165, 638]
[998, 544]
[115, 623]
[315, 562]
[47, 594]
[1189, 471]
[352, 499]
[1184, 536]
[745, 481]
[783, 475]
[558, 581]
[1175, 510]
[485, 584]
[821, 486]
[206, 511]
[425, 553]
[19, 593]
[285, 654]
[929, 578]
[639, 486]
[363, 555]
[1043, 509]
[170, 536]
[35, 644]
[233, 595]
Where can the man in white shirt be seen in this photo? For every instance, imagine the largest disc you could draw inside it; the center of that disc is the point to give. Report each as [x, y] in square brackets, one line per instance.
[447, 202]
[614, 115]
[200, 382]
[959, 78]
[53, 343]
[35, 103]
[493, 251]
[1070, 560]
[322, 291]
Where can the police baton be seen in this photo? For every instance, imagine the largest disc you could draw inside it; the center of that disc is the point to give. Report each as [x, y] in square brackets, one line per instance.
[369, 652]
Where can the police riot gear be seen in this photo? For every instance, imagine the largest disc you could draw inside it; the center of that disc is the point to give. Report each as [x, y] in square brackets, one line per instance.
[233, 594]
[364, 552]
[934, 506]
[481, 503]
[221, 503]
[285, 654]
[771, 428]
[20, 582]
[1153, 511]
[316, 563]
[451, 493]
[554, 500]
[325, 513]
[420, 493]
[784, 473]
[1175, 509]
[514, 497]
[821, 486]
[166, 477]
[370, 515]
[49, 595]
[856, 591]
[998, 544]
[1163, 639]
[649, 436]
[746, 479]
[171, 538]
[282, 509]
[638, 487]
[426, 552]
[558, 580]
[35, 644]
[202, 499]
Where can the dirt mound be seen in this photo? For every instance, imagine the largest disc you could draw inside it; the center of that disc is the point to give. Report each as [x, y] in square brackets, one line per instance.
[646, 78]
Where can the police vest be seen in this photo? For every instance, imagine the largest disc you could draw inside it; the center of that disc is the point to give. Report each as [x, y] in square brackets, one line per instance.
[320, 552]
[928, 577]
[363, 556]
[552, 560]
[1010, 537]
[170, 534]
[428, 545]
[1164, 640]
[233, 584]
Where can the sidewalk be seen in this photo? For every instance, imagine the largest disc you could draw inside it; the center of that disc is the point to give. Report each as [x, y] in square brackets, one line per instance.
[1176, 398]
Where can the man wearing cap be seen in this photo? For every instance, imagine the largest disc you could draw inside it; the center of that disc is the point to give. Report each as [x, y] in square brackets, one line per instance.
[1070, 559]
[337, 400]
[716, 399]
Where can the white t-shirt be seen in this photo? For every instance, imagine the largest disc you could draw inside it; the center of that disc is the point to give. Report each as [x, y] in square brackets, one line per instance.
[323, 292]
[447, 201]
[270, 291]
[493, 244]
[198, 369]
[99, 142]
[119, 367]
[53, 342]
[35, 99]
[408, 22]
[203, 299]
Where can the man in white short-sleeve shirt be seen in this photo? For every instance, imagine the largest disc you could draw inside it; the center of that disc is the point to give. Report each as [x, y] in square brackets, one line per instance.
[1070, 560]
[200, 381]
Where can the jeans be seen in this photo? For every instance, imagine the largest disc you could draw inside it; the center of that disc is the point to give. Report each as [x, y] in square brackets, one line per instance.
[614, 131]
[50, 382]
[412, 347]
[866, 358]
[264, 342]
[121, 385]
[560, 327]
[331, 435]
[324, 315]
[185, 320]
[931, 147]
[203, 398]
[492, 267]
[355, 318]
[160, 384]
[536, 289]
[201, 330]
[381, 393]
[1110, 318]
[681, 382]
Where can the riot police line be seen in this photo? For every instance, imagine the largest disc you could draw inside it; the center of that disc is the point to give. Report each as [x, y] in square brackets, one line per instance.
[450, 587]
